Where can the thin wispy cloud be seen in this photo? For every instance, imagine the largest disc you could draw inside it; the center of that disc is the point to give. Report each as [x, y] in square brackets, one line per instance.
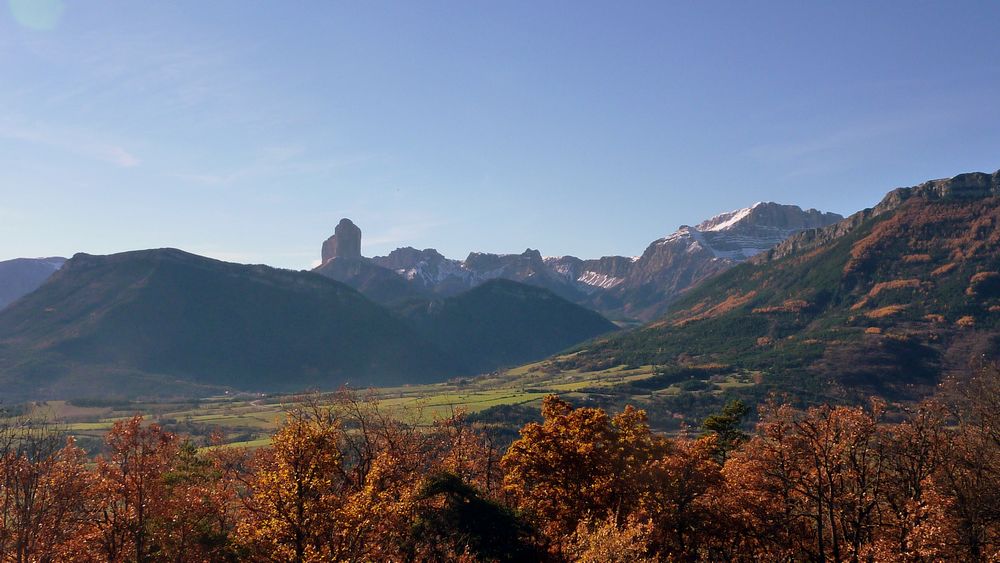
[139, 66]
[274, 162]
[76, 142]
[850, 136]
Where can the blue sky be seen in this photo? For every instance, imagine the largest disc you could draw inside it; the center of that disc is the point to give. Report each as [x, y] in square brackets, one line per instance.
[245, 130]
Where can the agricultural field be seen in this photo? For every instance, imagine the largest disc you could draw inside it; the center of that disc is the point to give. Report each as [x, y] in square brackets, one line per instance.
[249, 419]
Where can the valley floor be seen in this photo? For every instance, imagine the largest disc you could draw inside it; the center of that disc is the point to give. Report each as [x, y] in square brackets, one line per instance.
[249, 420]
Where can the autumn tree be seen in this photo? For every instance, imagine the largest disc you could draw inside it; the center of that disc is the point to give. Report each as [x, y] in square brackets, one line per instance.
[963, 513]
[678, 499]
[296, 489]
[199, 513]
[915, 450]
[611, 541]
[43, 493]
[579, 464]
[342, 480]
[809, 484]
[131, 490]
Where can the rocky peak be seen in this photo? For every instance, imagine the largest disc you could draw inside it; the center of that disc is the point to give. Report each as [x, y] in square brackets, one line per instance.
[408, 257]
[345, 242]
[727, 220]
[769, 215]
[964, 186]
[738, 235]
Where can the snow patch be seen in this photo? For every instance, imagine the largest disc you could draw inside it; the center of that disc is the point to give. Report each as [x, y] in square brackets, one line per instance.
[602, 281]
[728, 220]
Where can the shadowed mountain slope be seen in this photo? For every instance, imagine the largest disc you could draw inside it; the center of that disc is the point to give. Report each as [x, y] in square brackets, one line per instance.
[504, 323]
[21, 276]
[165, 322]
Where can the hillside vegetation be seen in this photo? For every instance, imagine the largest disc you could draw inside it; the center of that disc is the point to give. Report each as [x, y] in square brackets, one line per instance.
[885, 302]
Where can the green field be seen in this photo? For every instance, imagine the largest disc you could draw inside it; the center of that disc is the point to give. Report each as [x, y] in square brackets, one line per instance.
[248, 420]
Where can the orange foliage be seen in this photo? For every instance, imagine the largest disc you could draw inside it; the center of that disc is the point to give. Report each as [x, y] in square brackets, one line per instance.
[579, 464]
[44, 493]
[981, 281]
[894, 284]
[942, 270]
[789, 306]
[343, 481]
[730, 303]
[886, 311]
[967, 229]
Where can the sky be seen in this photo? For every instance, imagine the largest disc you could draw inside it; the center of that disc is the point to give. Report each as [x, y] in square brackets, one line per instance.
[244, 130]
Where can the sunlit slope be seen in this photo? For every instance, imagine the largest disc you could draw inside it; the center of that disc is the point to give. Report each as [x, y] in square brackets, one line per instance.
[884, 302]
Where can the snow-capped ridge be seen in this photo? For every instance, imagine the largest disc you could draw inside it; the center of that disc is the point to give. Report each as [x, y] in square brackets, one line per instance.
[728, 220]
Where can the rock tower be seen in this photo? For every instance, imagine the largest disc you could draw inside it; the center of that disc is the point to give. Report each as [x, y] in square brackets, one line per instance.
[345, 242]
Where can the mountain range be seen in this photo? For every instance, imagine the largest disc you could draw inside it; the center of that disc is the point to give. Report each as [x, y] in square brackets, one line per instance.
[624, 288]
[762, 299]
[165, 322]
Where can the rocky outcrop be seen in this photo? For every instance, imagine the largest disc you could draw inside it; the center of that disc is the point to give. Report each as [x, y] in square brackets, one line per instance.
[433, 272]
[591, 276]
[428, 270]
[345, 242]
[971, 185]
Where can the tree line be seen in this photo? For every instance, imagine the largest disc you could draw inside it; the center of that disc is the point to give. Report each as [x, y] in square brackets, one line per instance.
[344, 480]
